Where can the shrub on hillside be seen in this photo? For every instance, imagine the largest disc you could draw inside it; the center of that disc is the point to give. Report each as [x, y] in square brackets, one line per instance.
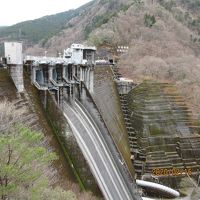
[149, 20]
[26, 171]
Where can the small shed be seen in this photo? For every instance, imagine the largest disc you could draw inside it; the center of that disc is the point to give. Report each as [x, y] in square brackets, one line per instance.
[13, 53]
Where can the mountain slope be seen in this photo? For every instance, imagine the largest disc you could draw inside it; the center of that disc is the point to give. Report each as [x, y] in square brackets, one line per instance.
[96, 14]
[165, 52]
[166, 49]
[43, 28]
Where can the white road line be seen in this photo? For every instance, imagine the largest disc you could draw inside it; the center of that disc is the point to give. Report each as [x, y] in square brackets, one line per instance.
[88, 155]
[103, 160]
[103, 145]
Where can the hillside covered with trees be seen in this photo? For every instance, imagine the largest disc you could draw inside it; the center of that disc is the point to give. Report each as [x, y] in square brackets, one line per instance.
[25, 161]
[40, 30]
[163, 38]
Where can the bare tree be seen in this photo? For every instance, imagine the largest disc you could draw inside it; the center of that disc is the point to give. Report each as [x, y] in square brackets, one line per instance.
[9, 115]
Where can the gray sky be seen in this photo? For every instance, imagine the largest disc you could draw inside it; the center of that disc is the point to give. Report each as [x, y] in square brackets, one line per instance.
[14, 11]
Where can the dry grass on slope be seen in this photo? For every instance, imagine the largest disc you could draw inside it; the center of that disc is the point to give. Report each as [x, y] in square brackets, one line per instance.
[76, 27]
[163, 52]
[74, 33]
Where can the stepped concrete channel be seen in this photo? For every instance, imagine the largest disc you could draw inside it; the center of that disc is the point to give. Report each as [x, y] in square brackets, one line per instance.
[162, 133]
[165, 134]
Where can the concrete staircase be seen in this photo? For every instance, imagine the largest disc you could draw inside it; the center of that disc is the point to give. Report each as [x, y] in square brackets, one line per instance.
[139, 157]
[183, 155]
[189, 151]
[116, 73]
[174, 144]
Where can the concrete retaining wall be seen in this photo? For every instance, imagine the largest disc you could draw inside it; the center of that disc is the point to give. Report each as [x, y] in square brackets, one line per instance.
[16, 72]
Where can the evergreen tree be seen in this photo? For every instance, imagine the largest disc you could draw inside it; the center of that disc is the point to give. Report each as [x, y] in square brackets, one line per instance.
[149, 20]
[25, 164]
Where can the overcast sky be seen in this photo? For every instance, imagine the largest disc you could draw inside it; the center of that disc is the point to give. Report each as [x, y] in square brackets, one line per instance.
[14, 11]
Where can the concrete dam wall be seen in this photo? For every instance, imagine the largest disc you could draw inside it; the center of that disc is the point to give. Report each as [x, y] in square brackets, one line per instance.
[107, 100]
[73, 166]
[52, 83]
[46, 120]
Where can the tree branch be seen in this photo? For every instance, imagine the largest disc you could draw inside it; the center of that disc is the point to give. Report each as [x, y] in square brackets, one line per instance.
[1, 182]
[9, 154]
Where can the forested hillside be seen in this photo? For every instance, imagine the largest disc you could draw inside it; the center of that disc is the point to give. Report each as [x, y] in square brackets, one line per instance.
[163, 38]
[40, 30]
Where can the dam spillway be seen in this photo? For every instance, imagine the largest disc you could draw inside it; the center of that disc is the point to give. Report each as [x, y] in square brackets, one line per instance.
[103, 165]
[164, 134]
[65, 79]
[107, 100]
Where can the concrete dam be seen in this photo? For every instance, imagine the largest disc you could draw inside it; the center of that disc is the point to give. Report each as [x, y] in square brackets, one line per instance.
[121, 129]
[69, 82]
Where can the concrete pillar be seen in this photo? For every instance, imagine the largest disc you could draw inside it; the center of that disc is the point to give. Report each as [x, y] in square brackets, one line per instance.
[50, 70]
[84, 75]
[33, 73]
[85, 80]
[64, 71]
[80, 73]
[91, 87]
[42, 76]
[70, 72]
[54, 74]
[88, 79]
[73, 72]
[16, 72]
